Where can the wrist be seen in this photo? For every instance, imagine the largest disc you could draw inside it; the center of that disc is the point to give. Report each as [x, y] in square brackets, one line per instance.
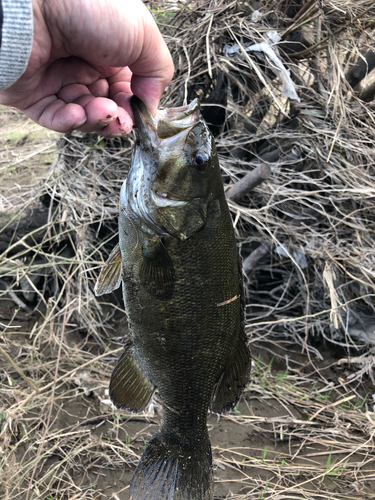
[17, 38]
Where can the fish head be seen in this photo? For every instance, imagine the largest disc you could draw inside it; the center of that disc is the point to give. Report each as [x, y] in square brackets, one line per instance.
[174, 173]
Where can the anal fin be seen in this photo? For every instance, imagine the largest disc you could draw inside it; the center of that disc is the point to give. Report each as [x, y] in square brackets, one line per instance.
[130, 388]
[110, 274]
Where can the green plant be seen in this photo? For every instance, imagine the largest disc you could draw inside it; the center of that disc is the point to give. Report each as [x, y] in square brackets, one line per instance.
[264, 491]
[334, 471]
[280, 378]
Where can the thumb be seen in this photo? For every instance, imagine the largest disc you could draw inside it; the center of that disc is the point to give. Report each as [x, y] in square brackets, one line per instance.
[153, 69]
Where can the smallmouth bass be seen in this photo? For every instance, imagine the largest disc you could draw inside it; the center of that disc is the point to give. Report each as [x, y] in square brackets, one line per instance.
[181, 274]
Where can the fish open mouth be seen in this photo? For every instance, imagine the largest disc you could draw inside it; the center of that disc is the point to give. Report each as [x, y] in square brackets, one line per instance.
[162, 200]
[166, 123]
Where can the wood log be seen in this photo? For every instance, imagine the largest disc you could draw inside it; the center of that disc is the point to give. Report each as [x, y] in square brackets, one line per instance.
[256, 256]
[249, 182]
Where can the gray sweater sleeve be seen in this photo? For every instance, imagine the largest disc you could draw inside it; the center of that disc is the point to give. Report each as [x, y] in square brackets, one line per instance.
[16, 40]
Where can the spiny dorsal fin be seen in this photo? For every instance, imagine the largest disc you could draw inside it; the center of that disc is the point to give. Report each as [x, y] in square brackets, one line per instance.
[110, 274]
[130, 388]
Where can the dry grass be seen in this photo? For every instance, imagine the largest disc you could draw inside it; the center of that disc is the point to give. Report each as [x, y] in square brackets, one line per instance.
[305, 428]
[316, 211]
[294, 434]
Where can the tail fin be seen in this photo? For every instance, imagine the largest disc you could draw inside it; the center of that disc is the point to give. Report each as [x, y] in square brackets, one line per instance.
[173, 474]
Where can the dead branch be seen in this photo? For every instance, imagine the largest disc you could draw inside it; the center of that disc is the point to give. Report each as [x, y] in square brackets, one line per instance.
[255, 257]
[249, 182]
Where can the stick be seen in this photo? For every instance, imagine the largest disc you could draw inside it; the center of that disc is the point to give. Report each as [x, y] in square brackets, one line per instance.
[249, 182]
[256, 255]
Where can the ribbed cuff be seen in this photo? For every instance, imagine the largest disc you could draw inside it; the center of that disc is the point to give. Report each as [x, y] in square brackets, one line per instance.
[17, 40]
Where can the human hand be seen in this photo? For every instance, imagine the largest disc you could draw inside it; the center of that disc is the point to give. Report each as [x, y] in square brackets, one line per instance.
[86, 61]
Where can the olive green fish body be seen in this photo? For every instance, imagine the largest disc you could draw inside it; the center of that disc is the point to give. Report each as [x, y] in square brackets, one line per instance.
[187, 337]
[183, 293]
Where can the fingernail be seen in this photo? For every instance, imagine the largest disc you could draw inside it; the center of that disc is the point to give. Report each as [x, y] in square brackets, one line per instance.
[118, 134]
[82, 122]
[107, 120]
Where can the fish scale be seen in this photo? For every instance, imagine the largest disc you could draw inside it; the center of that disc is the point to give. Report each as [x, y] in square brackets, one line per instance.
[183, 294]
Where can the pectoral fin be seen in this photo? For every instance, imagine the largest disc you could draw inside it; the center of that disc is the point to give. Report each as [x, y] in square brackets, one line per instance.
[157, 273]
[234, 377]
[110, 274]
[130, 388]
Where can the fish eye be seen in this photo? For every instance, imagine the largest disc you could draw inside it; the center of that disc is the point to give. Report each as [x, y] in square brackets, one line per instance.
[200, 160]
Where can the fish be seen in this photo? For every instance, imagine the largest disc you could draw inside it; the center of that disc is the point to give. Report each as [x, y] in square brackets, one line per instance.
[181, 275]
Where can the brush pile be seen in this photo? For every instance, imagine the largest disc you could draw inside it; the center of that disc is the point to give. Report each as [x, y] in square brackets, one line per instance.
[287, 90]
[285, 87]
[294, 124]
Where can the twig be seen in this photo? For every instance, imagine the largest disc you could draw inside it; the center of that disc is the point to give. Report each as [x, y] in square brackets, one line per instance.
[332, 405]
[251, 180]
[256, 256]
[208, 46]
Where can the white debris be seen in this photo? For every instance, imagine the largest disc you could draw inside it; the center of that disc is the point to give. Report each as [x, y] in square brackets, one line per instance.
[256, 16]
[274, 37]
[87, 384]
[270, 49]
[108, 402]
[297, 254]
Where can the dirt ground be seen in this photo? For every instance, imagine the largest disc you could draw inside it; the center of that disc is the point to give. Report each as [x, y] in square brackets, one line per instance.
[304, 428]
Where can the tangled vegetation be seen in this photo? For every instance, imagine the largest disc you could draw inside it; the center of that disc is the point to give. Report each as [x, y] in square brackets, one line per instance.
[294, 124]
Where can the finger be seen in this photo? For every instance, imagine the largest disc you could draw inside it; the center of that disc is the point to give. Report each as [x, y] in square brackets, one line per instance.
[100, 88]
[119, 89]
[120, 82]
[55, 114]
[119, 127]
[70, 93]
[100, 111]
[104, 116]
[88, 114]
[149, 90]
[122, 99]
